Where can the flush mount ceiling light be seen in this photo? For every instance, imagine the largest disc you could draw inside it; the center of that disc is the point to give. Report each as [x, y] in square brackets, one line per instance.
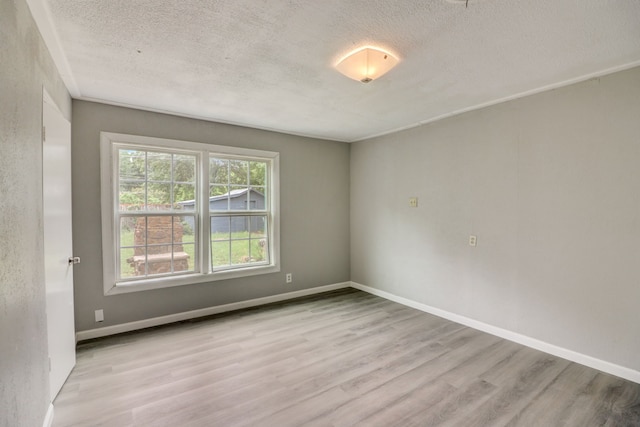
[366, 64]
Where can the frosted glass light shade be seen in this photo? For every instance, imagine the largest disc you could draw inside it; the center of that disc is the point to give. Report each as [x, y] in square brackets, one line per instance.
[366, 64]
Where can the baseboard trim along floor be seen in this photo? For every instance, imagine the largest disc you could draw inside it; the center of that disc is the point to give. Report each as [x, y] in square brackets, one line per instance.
[583, 359]
[194, 314]
[48, 418]
[344, 358]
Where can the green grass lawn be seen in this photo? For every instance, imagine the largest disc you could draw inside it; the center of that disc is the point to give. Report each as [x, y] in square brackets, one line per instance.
[237, 248]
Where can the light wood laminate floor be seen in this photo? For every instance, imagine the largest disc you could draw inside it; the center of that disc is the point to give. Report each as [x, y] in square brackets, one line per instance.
[343, 358]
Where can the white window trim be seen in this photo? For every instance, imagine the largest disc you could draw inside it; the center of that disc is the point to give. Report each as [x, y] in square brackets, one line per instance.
[109, 239]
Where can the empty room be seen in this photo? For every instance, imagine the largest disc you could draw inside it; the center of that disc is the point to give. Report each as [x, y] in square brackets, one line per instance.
[329, 213]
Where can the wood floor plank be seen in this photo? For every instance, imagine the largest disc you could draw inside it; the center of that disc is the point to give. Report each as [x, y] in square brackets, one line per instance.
[558, 400]
[402, 410]
[424, 367]
[342, 358]
[459, 405]
[525, 383]
[607, 401]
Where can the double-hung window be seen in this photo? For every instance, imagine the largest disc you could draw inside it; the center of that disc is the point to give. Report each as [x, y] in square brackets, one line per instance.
[178, 212]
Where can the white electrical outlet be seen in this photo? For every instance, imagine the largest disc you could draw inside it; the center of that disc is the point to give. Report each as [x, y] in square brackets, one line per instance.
[413, 202]
[99, 315]
[473, 240]
[289, 278]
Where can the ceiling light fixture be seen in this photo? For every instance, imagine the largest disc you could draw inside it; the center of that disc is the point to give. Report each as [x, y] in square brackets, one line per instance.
[366, 64]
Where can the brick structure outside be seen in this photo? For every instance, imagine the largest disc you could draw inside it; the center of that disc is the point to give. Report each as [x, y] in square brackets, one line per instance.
[159, 246]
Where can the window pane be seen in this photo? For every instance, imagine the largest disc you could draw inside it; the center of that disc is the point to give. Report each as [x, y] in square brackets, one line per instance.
[218, 171]
[240, 252]
[219, 200]
[158, 167]
[257, 199]
[238, 197]
[184, 196]
[132, 246]
[258, 227]
[155, 180]
[188, 239]
[220, 254]
[190, 250]
[167, 241]
[248, 240]
[218, 190]
[159, 197]
[239, 227]
[259, 250]
[239, 172]
[131, 195]
[220, 228]
[139, 262]
[132, 165]
[188, 224]
[258, 173]
[127, 265]
[158, 264]
[184, 168]
[159, 234]
[182, 260]
[237, 240]
[127, 230]
[156, 235]
[259, 244]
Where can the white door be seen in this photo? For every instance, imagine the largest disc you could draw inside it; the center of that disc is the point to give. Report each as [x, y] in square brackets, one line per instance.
[56, 188]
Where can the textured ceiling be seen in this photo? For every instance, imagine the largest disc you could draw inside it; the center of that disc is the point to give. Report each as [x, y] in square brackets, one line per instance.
[269, 63]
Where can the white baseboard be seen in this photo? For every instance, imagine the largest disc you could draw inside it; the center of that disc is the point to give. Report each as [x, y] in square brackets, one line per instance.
[187, 315]
[583, 359]
[48, 418]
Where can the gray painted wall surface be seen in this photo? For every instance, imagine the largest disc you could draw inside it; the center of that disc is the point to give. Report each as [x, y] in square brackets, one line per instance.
[550, 184]
[25, 67]
[314, 204]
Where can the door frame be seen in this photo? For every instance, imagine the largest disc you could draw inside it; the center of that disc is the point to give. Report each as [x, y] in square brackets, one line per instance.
[59, 299]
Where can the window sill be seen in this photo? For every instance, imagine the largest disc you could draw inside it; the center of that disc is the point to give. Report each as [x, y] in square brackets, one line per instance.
[188, 279]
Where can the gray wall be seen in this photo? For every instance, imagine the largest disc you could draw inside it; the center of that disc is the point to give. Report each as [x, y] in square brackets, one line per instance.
[549, 183]
[314, 203]
[25, 67]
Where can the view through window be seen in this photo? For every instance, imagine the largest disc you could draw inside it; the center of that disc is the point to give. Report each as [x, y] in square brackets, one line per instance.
[183, 209]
